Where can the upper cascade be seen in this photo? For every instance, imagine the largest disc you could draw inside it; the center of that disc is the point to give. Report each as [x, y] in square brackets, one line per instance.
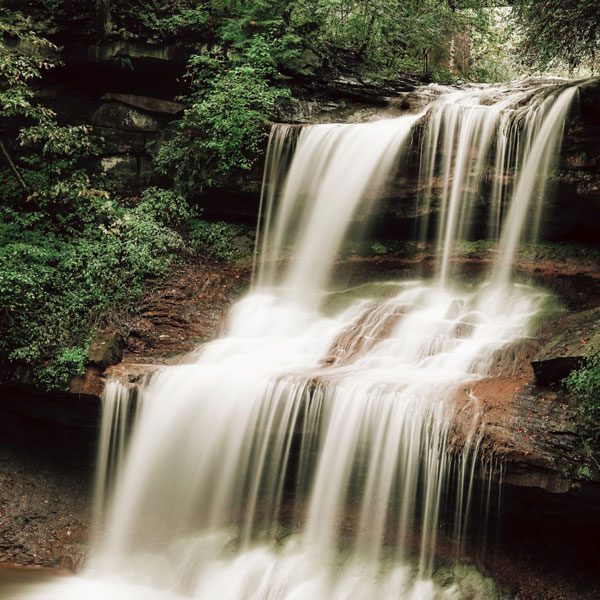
[334, 170]
[478, 140]
[488, 148]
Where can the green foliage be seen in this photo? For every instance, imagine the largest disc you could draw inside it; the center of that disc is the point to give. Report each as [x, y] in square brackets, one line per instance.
[68, 250]
[473, 249]
[495, 48]
[560, 32]
[225, 126]
[161, 19]
[378, 38]
[584, 472]
[165, 206]
[379, 249]
[217, 239]
[55, 285]
[69, 362]
[584, 385]
[382, 37]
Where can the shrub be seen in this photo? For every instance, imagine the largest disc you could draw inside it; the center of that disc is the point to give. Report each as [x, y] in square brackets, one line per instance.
[165, 206]
[379, 249]
[217, 239]
[584, 385]
[224, 130]
[56, 280]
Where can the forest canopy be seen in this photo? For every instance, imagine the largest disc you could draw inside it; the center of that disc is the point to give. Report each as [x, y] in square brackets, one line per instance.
[379, 37]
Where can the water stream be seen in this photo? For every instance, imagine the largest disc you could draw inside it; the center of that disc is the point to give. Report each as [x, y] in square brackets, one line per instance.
[328, 443]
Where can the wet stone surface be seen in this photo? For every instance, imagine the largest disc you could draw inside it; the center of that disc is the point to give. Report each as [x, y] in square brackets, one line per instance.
[44, 513]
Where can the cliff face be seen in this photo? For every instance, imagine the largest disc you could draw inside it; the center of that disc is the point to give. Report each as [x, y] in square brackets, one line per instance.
[126, 90]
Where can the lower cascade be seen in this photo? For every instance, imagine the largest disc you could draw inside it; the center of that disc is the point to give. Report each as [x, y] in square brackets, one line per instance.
[329, 444]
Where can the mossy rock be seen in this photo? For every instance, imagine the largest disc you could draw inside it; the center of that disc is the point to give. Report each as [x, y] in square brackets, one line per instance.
[577, 338]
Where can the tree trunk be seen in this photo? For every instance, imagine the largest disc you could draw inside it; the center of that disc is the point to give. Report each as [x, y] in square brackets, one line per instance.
[103, 23]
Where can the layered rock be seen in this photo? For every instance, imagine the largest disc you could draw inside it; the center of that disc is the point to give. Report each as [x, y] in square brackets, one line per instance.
[577, 338]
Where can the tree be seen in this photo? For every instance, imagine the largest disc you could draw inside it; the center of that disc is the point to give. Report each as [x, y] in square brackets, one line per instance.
[560, 31]
[103, 18]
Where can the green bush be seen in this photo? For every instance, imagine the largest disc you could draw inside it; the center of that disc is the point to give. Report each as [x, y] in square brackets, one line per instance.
[217, 239]
[69, 362]
[55, 284]
[164, 206]
[69, 251]
[584, 385]
[379, 249]
[225, 128]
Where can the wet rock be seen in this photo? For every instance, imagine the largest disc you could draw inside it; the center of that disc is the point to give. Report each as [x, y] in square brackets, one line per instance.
[91, 384]
[106, 348]
[117, 141]
[146, 103]
[120, 116]
[577, 338]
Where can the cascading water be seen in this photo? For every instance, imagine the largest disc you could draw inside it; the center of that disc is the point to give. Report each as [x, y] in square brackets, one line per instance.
[313, 452]
[119, 407]
[521, 130]
[335, 168]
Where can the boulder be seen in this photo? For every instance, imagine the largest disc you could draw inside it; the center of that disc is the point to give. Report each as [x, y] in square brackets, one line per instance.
[106, 349]
[146, 103]
[119, 116]
[122, 171]
[577, 338]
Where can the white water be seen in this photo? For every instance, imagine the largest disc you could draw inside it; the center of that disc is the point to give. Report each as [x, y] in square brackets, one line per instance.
[492, 135]
[119, 408]
[335, 169]
[311, 453]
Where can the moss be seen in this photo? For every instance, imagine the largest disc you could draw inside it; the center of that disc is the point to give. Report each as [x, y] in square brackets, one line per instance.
[560, 251]
[473, 249]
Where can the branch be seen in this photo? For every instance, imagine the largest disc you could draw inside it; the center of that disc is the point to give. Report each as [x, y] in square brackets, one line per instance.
[12, 165]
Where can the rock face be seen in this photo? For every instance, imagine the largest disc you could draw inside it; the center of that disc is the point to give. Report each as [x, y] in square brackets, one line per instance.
[577, 338]
[126, 89]
[148, 104]
[126, 118]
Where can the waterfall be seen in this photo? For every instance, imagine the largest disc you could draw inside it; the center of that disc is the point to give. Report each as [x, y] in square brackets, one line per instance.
[324, 444]
[494, 135]
[119, 408]
[335, 169]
